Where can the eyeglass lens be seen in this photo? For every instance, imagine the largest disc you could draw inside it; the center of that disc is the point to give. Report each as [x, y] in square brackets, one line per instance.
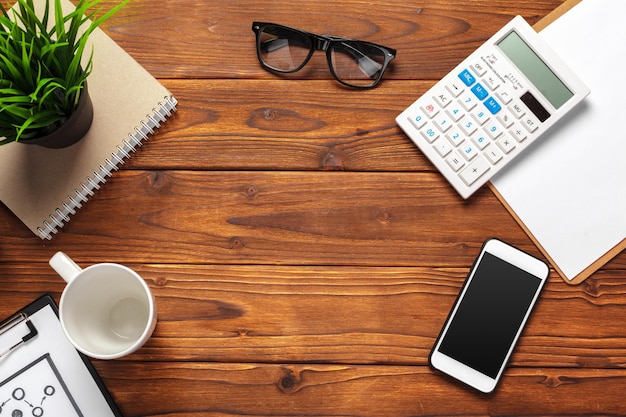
[351, 62]
[356, 63]
[283, 49]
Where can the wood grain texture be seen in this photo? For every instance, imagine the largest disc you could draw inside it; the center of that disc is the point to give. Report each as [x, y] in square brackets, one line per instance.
[355, 315]
[303, 253]
[278, 218]
[340, 390]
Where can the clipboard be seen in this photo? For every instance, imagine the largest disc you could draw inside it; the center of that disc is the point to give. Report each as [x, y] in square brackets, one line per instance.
[42, 374]
[600, 258]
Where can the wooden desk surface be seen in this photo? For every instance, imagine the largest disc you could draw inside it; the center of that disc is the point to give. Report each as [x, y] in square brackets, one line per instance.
[303, 253]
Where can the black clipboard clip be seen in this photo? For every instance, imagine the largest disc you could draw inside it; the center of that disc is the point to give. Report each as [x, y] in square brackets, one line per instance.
[12, 322]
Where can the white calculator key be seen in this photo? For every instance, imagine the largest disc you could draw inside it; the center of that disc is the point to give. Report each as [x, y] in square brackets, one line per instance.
[443, 122]
[494, 154]
[430, 109]
[456, 137]
[455, 88]
[481, 141]
[468, 100]
[417, 120]
[468, 125]
[492, 82]
[504, 96]
[429, 132]
[505, 118]
[455, 112]
[530, 123]
[480, 115]
[455, 162]
[443, 98]
[518, 133]
[479, 68]
[506, 143]
[469, 151]
[494, 129]
[442, 147]
[517, 108]
[474, 170]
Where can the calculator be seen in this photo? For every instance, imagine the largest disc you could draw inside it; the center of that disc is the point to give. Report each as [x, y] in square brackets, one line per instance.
[492, 106]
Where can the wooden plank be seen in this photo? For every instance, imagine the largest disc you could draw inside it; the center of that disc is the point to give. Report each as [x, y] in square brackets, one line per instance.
[252, 127]
[349, 315]
[195, 389]
[295, 218]
[327, 218]
[215, 40]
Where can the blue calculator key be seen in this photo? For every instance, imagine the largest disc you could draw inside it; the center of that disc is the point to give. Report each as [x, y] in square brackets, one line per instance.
[467, 77]
[492, 105]
[480, 91]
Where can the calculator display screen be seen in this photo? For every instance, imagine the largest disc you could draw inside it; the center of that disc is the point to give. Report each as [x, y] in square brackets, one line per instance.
[533, 67]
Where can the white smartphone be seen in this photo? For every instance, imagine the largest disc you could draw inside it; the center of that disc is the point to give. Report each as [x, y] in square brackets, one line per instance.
[489, 314]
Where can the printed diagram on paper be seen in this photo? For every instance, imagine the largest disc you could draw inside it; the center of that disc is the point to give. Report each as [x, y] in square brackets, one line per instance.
[37, 390]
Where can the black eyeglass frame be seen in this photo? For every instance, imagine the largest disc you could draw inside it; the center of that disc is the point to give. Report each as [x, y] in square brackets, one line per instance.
[322, 43]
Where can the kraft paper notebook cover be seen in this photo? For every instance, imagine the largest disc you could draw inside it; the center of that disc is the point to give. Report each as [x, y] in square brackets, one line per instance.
[44, 187]
[568, 191]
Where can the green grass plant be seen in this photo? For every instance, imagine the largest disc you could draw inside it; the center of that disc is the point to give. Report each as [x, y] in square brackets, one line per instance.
[41, 71]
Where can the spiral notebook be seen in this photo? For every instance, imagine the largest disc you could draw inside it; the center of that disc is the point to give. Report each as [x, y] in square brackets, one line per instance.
[45, 187]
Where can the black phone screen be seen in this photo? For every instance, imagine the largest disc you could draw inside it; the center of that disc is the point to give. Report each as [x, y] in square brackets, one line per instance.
[489, 315]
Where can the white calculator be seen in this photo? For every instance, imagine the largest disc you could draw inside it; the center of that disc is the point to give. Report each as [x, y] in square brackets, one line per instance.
[493, 105]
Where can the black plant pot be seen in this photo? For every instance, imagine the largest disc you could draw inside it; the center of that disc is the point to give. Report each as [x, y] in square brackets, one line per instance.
[74, 128]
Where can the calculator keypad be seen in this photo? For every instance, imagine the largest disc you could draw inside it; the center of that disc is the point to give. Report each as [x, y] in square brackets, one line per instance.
[473, 123]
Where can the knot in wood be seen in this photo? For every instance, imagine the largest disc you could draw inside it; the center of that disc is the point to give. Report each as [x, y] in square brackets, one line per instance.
[333, 159]
[557, 381]
[289, 382]
[236, 243]
[252, 191]
[269, 114]
[157, 182]
[383, 216]
[592, 287]
[282, 120]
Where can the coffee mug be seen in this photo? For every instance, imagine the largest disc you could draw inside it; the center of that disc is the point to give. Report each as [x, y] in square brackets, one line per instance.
[107, 310]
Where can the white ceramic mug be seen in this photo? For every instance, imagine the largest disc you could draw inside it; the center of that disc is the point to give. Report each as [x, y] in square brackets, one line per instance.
[107, 310]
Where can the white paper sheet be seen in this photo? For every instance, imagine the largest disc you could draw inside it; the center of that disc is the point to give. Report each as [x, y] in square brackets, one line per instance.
[569, 188]
[46, 376]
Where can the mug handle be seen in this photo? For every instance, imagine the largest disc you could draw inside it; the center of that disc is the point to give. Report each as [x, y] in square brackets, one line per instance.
[64, 266]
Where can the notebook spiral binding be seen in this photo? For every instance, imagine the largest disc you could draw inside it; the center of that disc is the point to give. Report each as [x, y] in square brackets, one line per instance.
[86, 189]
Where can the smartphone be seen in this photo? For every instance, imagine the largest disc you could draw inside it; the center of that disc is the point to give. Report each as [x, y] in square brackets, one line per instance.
[489, 314]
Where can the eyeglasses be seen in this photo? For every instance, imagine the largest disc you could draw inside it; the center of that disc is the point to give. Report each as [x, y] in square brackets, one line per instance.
[353, 63]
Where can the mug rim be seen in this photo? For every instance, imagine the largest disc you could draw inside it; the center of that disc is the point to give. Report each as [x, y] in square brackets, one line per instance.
[147, 331]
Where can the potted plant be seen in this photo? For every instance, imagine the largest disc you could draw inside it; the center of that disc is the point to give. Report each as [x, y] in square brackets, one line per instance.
[43, 78]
